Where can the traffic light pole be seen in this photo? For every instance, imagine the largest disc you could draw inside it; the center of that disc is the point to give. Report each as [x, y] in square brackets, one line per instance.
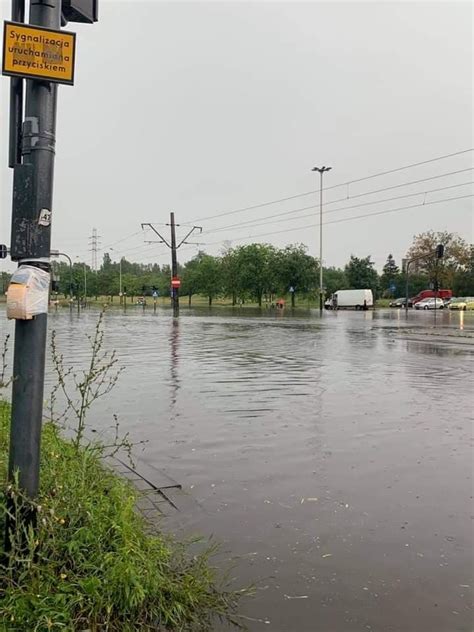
[30, 244]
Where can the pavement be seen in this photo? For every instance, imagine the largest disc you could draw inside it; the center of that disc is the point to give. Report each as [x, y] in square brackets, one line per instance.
[159, 495]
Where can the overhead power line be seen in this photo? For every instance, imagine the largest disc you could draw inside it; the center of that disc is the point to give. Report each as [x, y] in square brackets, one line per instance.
[358, 195]
[334, 186]
[138, 232]
[260, 221]
[344, 219]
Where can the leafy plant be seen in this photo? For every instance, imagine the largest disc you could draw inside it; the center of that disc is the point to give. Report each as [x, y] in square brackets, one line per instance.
[89, 563]
[79, 556]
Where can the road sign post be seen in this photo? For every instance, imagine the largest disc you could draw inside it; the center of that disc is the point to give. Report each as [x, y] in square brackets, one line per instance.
[43, 55]
[30, 244]
[38, 52]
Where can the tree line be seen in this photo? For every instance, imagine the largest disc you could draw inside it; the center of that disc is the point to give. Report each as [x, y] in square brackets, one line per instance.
[261, 272]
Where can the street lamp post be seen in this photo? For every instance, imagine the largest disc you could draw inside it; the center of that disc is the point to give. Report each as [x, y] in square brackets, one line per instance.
[321, 170]
[56, 253]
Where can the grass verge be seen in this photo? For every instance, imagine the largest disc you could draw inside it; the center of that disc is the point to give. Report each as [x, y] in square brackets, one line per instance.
[90, 564]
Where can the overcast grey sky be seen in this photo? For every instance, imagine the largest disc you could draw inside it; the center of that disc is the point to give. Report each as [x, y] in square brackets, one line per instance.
[206, 107]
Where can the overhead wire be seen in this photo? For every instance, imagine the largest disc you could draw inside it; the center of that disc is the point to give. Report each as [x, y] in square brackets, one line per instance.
[254, 222]
[334, 186]
[344, 219]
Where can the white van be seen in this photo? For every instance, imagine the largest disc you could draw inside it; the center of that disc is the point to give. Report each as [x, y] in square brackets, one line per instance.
[350, 299]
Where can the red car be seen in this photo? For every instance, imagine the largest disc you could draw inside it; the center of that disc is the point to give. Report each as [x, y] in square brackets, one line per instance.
[443, 294]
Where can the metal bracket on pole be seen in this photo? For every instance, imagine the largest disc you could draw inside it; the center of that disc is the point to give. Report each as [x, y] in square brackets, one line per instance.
[173, 247]
[16, 99]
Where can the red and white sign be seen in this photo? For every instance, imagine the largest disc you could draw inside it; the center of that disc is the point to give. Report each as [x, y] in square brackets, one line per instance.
[175, 282]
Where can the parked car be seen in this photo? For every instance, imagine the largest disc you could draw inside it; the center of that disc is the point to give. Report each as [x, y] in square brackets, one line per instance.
[444, 294]
[470, 303]
[400, 302]
[350, 299]
[460, 303]
[430, 303]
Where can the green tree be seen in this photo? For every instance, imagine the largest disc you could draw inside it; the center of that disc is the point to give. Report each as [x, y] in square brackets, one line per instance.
[295, 269]
[230, 274]
[209, 277]
[254, 273]
[390, 276]
[457, 255]
[132, 284]
[334, 280]
[360, 274]
[190, 277]
[463, 284]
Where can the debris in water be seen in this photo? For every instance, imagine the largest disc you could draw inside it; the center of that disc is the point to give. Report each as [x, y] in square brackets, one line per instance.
[327, 555]
[296, 597]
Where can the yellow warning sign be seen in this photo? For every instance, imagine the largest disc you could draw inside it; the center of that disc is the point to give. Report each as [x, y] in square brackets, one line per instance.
[38, 53]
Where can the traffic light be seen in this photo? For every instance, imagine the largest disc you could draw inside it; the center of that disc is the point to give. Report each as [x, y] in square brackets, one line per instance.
[80, 11]
[439, 251]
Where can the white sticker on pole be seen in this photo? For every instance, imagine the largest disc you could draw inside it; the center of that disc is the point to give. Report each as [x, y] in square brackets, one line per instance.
[28, 293]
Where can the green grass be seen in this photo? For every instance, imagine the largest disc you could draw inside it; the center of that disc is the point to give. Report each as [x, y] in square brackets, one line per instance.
[383, 302]
[302, 302]
[91, 564]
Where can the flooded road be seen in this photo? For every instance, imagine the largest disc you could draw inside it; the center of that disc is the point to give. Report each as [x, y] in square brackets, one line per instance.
[332, 457]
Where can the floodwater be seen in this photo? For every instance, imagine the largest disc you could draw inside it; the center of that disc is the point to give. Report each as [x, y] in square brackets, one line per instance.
[331, 456]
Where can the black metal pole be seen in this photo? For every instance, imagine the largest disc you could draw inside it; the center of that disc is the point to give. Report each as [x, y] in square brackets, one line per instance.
[71, 284]
[406, 288]
[16, 98]
[321, 242]
[174, 267]
[30, 244]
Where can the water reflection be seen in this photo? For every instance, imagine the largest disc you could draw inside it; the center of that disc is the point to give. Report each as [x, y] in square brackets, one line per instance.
[174, 361]
[333, 452]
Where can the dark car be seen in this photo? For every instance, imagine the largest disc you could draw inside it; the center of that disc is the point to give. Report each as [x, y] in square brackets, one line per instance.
[400, 302]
